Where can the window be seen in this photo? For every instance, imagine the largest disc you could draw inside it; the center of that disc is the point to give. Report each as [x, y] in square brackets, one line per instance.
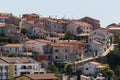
[66, 50]
[56, 57]
[23, 67]
[87, 69]
[1, 68]
[6, 67]
[15, 68]
[56, 50]
[65, 57]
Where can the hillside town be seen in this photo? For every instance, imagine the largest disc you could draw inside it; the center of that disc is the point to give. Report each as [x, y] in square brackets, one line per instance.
[45, 48]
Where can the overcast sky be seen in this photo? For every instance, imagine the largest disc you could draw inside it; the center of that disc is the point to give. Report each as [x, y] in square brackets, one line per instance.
[107, 11]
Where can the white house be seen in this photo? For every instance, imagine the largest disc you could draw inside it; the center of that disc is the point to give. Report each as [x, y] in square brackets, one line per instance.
[19, 66]
[91, 68]
[36, 45]
[13, 48]
[100, 40]
[79, 28]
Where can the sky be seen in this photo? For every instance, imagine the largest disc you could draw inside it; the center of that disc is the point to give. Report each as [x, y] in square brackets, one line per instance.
[107, 11]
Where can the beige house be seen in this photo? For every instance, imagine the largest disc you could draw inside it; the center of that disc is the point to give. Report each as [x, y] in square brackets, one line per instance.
[67, 51]
[36, 45]
[79, 28]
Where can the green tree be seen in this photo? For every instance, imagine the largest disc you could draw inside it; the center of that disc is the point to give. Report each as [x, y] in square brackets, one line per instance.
[117, 71]
[107, 72]
[24, 31]
[53, 68]
[116, 38]
[68, 35]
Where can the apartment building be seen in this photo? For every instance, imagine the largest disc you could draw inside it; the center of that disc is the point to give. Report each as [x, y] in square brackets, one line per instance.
[100, 41]
[67, 51]
[17, 66]
[54, 25]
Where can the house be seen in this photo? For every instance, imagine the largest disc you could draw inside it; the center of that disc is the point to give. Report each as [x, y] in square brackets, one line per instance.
[114, 28]
[17, 66]
[91, 68]
[94, 22]
[79, 28]
[99, 41]
[36, 45]
[12, 30]
[48, 76]
[13, 48]
[31, 17]
[2, 29]
[4, 17]
[67, 51]
[54, 25]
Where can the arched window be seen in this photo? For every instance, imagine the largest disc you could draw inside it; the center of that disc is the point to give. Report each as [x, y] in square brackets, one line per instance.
[23, 67]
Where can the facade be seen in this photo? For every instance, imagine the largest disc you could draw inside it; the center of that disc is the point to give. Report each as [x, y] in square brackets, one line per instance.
[37, 77]
[54, 25]
[114, 28]
[17, 66]
[4, 70]
[92, 68]
[99, 41]
[2, 29]
[36, 45]
[67, 51]
[94, 22]
[79, 28]
[13, 48]
[31, 17]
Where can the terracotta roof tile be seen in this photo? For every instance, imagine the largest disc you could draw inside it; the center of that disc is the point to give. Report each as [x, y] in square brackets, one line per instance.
[12, 45]
[17, 59]
[41, 76]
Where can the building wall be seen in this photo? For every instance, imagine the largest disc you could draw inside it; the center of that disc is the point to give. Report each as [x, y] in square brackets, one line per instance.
[73, 29]
[34, 68]
[89, 68]
[55, 27]
[61, 53]
[17, 50]
[4, 71]
[38, 47]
